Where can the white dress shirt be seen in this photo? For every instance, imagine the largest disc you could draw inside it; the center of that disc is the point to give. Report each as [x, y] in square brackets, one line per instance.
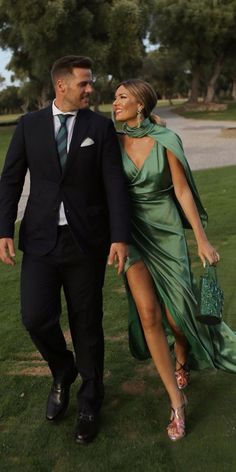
[70, 122]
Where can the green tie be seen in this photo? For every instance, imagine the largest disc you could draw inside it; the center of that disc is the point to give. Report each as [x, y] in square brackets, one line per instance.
[61, 140]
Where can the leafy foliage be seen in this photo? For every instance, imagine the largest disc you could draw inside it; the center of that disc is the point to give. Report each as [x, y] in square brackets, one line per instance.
[40, 32]
[197, 37]
[10, 101]
[166, 69]
[203, 31]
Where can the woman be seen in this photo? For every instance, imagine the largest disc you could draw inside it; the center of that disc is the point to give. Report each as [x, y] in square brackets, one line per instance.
[160, 288]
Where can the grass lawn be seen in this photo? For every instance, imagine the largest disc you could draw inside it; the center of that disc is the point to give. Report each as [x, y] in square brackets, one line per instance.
[136, 409]
[9, 118]
[229, 114]
[5, 136]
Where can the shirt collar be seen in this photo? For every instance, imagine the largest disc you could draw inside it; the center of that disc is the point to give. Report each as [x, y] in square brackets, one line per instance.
[57, 111]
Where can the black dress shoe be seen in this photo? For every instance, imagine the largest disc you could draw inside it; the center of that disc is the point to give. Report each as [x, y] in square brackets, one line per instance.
[87, 427]
[58, 398]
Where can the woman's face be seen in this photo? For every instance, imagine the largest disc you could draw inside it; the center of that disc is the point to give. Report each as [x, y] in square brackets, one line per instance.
[125, 106]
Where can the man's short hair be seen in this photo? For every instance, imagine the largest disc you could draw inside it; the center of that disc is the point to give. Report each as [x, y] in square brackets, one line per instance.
[66, 64]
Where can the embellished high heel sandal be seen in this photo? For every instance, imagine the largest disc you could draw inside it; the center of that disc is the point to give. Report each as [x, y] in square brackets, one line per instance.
[176, 427]
[182, 375]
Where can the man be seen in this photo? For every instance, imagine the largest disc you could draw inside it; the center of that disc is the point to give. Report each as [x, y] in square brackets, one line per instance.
[77, 207]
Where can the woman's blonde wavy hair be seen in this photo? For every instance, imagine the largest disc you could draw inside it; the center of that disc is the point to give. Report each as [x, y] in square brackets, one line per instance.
[146, 95]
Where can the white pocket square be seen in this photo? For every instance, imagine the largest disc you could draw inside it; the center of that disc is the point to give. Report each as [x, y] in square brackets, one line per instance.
[87, 142]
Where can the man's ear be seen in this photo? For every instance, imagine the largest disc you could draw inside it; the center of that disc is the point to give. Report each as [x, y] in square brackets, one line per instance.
[61, 85]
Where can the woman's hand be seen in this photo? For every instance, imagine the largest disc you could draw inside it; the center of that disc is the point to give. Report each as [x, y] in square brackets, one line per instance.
[207, 252]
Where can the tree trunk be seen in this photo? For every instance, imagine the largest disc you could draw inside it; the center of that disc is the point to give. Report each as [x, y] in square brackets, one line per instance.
[234, 89]
[97, 101]
[43, 99]
[194, 91]
[211, 86]
[25, 105]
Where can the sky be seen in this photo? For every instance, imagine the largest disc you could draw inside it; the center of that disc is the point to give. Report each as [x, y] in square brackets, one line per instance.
[5, 57]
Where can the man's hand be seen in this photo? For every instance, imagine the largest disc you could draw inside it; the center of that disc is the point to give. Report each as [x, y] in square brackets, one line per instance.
[7, 251]
[118, 255]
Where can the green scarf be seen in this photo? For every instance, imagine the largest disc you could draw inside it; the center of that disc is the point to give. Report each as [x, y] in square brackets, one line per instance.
[169, 140]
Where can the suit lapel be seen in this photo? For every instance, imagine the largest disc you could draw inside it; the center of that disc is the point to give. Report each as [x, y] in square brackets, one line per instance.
[49, 137]
[79, 133]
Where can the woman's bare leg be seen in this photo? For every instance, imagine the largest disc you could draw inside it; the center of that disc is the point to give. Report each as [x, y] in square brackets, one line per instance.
[141, 286]
[181, 344]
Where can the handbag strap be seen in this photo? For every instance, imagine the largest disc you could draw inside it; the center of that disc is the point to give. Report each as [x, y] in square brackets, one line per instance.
[210, 271]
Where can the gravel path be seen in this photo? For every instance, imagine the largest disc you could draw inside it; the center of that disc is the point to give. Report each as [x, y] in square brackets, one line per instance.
[204, 144]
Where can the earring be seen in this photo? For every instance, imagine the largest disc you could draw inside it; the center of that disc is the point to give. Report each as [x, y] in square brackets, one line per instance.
[139, 113]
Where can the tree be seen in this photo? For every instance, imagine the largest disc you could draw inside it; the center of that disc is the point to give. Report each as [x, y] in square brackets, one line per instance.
[166, 70]
[40, 32]
[220, 42]
[125, 32]
[228, 79]
[10, 102]
[128, 23]
[205, 33]
[2, 80]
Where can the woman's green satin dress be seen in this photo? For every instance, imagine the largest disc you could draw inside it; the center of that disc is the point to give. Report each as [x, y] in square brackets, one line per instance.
[158, 239]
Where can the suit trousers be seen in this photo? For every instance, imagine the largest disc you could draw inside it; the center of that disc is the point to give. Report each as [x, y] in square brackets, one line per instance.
[81, 276]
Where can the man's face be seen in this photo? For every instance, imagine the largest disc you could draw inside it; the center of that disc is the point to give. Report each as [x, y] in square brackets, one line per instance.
[77, 88]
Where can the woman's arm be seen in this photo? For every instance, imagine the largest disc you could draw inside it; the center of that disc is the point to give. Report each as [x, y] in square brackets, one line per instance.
[186, 200]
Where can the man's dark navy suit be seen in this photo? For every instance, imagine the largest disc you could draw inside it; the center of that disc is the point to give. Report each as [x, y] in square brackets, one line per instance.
[93, 190]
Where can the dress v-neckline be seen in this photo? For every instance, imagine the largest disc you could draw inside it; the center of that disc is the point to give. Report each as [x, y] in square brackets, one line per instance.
[144, 162]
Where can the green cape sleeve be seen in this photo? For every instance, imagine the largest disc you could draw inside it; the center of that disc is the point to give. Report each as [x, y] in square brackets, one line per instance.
[168, 139]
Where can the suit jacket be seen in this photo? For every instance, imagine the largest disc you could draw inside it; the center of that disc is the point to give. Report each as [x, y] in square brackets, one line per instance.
[92, 185]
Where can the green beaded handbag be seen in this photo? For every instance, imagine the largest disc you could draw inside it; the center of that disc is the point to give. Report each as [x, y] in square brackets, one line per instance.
[211, 297]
